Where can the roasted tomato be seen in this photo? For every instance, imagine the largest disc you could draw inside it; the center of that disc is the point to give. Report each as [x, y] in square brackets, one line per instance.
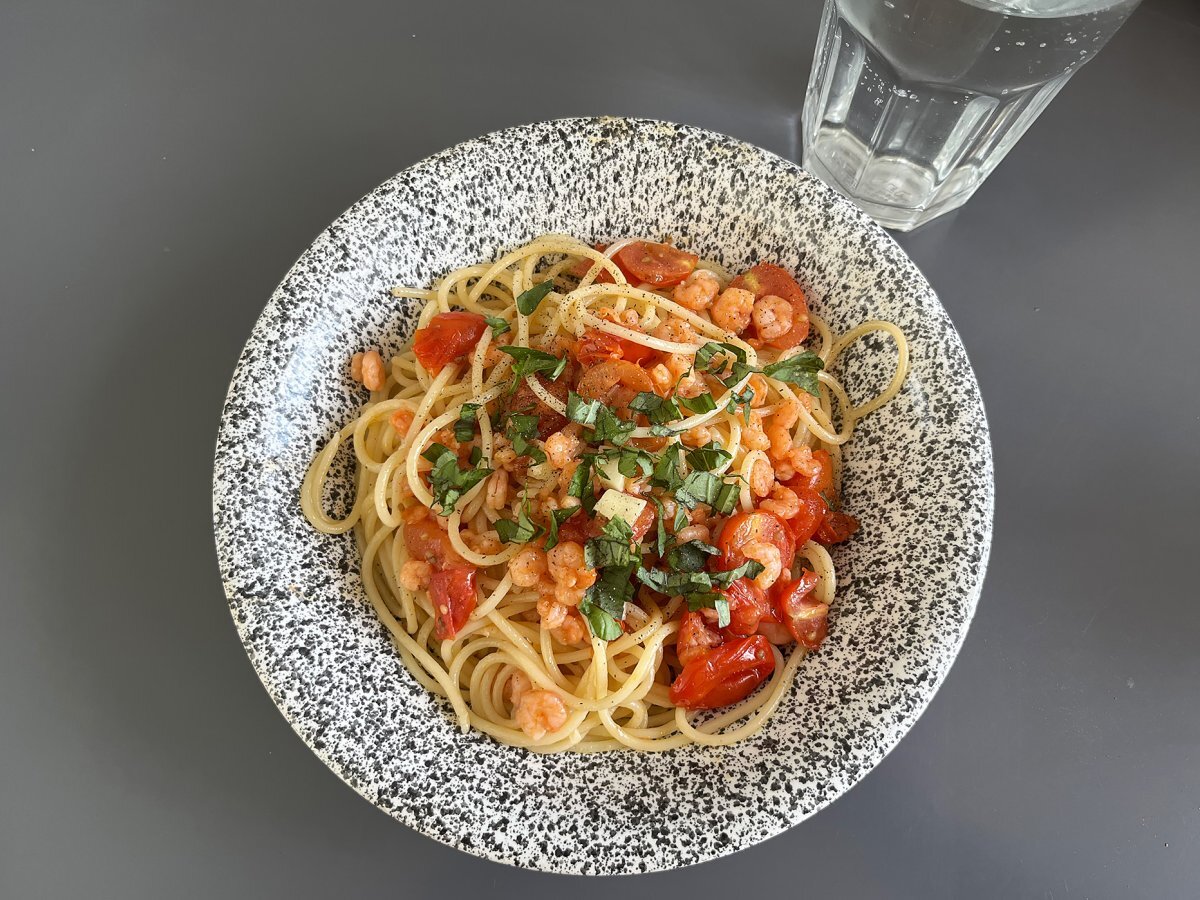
[813, 510]
[658, 264]
[596, 346]
[836, 527]
[745, 527]
[724, 675]
[447, 337]
[524, 400]
[806, 617]
[748, 606]
[695, 638]
[428, 543]
[766, 278]
[452, 592]
[605, 277]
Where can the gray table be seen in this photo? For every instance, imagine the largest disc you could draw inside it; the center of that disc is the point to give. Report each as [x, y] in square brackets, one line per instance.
[161, 165]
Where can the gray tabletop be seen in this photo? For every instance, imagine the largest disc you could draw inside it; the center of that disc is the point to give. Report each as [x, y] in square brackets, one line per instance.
[161, 165]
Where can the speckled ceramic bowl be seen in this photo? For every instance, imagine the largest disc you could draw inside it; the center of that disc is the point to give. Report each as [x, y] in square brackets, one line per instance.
[918, 474]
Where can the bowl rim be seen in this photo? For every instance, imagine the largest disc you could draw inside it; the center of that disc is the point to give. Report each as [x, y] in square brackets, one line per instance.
[983, 501]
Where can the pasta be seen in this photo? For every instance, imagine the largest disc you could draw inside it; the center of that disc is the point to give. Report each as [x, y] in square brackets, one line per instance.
[593, 497]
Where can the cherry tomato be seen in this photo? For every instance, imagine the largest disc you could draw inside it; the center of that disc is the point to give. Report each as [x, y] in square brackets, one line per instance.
[724, 675]
[695, 638]
[447, 337]
[644, 522]
[428, 543]
[597, 346]
[837, 527]
[813, 508]
[524, 400]
[806, 617]
[605, 277]
[658, 264]
[747, 607]
[766, 278]
[744, 527]
[452, 592]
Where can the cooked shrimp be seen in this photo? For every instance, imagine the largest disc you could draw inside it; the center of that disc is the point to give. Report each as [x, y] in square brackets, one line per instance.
[552, 612]
[497, 490]
[571, 576]
[753, 436]
[374, 375]
[527, 567]
[675, 329]
[539, 712]
[732, 309]
[768, 555]
[402, 420]
[356, 366]
[698, 291]
[486, 543]
[697, 437]
[518, 685]
[563, 446]
[693, 533]
[572, 630]
[414, 575]
[762, 477]
[772, 317]
[683, 376]
[783, 502]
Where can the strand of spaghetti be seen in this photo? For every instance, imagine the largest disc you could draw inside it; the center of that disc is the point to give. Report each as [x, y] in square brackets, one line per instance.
[898, 377]
[774, 693]
[312, 489]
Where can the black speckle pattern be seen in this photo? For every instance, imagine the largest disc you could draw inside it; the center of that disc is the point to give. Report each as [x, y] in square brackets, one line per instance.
[919, 476]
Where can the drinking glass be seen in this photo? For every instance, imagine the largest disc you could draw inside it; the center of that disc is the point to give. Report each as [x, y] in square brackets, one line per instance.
[912, 103]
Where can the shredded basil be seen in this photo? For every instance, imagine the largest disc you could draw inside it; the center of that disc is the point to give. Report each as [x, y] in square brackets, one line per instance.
[708, 457]
[499, 326]
[449, 482]
[464, 428]
[529, 300]
[557, 517]
[522, 531]
[527, 361]
[800, 370]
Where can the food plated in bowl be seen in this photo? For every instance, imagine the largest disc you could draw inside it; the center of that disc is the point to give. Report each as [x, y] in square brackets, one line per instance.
[916, 474]
[595, 493]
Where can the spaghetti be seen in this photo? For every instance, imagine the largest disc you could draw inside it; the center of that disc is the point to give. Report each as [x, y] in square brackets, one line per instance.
[593, 497]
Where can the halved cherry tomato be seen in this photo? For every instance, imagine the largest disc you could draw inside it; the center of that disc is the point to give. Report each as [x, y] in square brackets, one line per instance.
[695, 638]
[807, 521]
[767, 278]
[524, 400]
[658, 264]
[744, 527]
[447, 337]
[644, 522]
[823, 480]
[597, 346]
[836, 527]
[806, 617]
[452, 592]
[581, 268]
[724, 675]
[428, 543]
[748, 606]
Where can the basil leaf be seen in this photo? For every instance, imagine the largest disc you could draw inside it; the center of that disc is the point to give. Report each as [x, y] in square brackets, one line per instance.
[681, 519]
[659, 410]
[690, 557]
[581, 483]
[666, 470]
[448, 481]
[749, 569]
[663, 431]
[717, 357]
[601, 623]
[708, 457]
[727, 498]
[557, 517]
[476, 456]
[522, 531]
[743, 399]
[498, 325]
[527, 361]
[520, 430]
[464, 428]
[675, 584]
[610, 428]
[700, 404]
[529, 300]
[585, 412]
[719, 602]
[611, 547]
[698, 487]
[660, 542]
[800, 370]
[634, 463]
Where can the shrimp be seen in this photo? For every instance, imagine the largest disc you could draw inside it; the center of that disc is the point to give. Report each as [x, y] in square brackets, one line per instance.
[527, 567]
[571, 576]
[614, 382]
[762, 477]
[572, 630]
[693, 533]
[402, 420]
[682, 371]
[675, 329]
[538, 713]
[732, 309]
[414, 575]
[698, 291]
[697, 437]
[497, 490]
[486, 543]
[758, 384]
[563, 446]
[768, 555]
[772, 317]
[552, 613]
[783, 502]
[518, 685]
[374, 375]
[753, 436]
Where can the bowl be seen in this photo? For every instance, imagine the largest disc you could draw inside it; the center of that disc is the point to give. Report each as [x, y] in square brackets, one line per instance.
[918, 474]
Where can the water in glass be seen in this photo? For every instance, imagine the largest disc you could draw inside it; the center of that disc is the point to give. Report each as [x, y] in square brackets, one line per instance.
[911, 103]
